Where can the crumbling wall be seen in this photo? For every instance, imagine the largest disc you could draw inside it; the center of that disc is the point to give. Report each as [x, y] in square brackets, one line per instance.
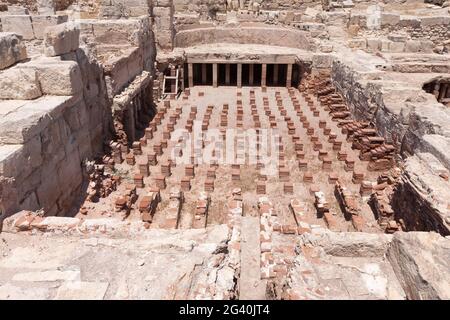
[420, 197]
[74, 121]
[33, 5]
[366, 103]
[432, 28]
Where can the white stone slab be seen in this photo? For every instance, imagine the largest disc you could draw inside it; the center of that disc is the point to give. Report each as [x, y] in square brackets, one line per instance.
[47, 276]
[82, 291]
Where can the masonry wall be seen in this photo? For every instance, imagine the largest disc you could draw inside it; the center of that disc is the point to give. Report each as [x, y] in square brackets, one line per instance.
[46, 167]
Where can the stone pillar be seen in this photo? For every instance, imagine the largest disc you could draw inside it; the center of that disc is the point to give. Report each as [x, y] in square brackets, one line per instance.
[204, 73]
[215, 75]
[289, 76]
[227, 74]
[173, 85]
[182, 77]
[275, 74]
[443, 91]
[437, 87]
[239, 75]
[264, 75]
[251, 74]
[191, 75]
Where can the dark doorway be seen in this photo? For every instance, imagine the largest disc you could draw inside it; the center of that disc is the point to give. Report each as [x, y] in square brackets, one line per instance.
[203, 74]
[231, 78]
[276, 75]
[296, 75]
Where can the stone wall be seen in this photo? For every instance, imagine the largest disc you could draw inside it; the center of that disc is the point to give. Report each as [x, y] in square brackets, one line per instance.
[33, 5]
[433, 28]
[124, 47]
[209, 6]
[45, 143]
[420, 198]
[244, 35]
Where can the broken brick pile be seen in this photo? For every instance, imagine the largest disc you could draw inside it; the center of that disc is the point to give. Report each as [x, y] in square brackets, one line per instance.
[267, 221]
[148, 205]
[201, 211]
[172, 212]
[373, 148]
[124, 203]
[381, 200]
[350, 206]
[101, 184]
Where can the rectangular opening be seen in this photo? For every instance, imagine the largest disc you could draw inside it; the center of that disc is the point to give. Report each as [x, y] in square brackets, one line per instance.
[203, 74]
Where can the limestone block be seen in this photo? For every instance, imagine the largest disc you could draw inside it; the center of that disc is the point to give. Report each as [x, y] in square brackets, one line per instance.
[385, 45]
[117, 32]
[82, 290]
[407, 21]
[11, 49]
[18, 24]
[396, 47]
[163, 18]
[374, 44]
[349, 244]
[357, 43]
[397, 37]
[18, 11]
[322, 60]
[435, 21]
[61, 39]
[8, 153]
[163, 3]
[40, 23]
[412, 46]
[426, 46]
[389, 19]
[46, 7]
[60, 78]
[420, 261]
[19, 84]
[32, 118]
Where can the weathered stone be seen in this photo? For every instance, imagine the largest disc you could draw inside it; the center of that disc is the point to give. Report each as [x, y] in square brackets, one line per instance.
[12, 50]
[420, 261]
[20, 84]
[61, 39]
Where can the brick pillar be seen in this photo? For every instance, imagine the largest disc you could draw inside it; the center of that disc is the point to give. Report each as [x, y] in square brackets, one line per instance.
[275, 74]
[191, 75]
[215, 75]
[227, 74]
[239, 75]
[251, 74]
[289, 76]
[264, 75]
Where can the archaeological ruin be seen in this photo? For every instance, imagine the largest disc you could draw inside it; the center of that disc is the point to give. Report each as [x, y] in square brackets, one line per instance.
[225, 149]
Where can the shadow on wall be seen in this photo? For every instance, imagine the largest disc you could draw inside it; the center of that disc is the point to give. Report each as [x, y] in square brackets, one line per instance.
[440, 88]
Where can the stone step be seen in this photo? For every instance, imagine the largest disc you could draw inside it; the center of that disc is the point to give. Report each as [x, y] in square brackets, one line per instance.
[250, 284]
